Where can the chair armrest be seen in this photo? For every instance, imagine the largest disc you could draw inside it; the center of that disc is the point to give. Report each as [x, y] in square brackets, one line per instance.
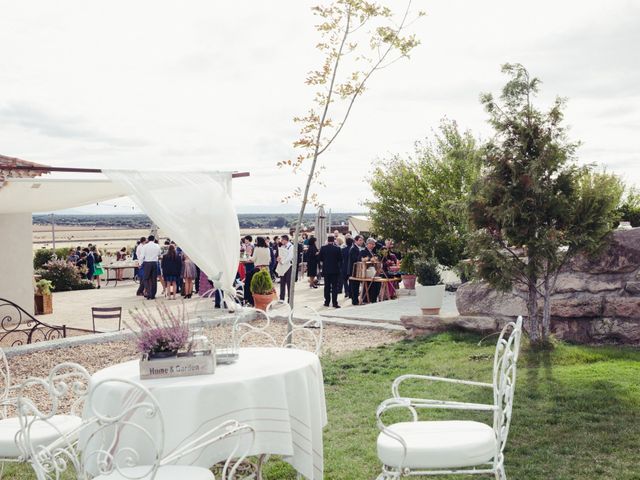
[216, 434]
[395, 387]
[415, 403]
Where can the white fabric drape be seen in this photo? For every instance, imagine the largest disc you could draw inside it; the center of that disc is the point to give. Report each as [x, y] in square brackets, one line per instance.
[195, 210]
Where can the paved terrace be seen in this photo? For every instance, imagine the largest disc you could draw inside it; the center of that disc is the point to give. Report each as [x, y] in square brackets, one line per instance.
[74, 308]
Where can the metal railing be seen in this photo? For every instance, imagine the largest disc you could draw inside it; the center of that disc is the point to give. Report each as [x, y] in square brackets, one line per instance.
[19, 327]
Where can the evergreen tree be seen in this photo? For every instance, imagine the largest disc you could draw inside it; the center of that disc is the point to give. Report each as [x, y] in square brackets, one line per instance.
[534, 208]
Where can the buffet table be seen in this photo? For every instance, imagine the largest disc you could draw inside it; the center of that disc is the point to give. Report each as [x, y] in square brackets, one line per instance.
[279, 392]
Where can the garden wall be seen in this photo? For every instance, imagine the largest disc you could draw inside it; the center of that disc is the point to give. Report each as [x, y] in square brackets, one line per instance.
[596, 299]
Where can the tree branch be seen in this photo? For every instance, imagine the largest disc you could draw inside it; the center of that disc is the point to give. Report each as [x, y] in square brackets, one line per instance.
[361, 85]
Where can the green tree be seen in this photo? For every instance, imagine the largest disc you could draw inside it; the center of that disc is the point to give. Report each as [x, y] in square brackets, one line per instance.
[534, 208]
[629, 209]
[421, 201]
[358, 38]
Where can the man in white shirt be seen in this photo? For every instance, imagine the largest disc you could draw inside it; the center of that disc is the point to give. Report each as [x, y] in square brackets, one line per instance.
[141, 243]
[285, 262]
[150, 254]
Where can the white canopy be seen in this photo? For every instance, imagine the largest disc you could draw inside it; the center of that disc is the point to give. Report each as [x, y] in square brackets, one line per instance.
[359, 223]
[27, 195]
[193, 208]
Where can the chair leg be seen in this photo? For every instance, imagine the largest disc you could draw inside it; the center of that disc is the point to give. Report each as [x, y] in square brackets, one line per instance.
[385, 475]
[500, 475]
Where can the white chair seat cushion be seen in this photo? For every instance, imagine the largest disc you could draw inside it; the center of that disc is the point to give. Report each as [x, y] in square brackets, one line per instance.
[438, 444]
[41, 433]
[168, 472]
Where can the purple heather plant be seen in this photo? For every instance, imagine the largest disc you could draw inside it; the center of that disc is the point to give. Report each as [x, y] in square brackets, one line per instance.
[165, 332]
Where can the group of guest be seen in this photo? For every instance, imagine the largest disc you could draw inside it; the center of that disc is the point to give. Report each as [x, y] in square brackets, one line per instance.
[169, 264]
[275, 255]
[89, 260]
[352, 250]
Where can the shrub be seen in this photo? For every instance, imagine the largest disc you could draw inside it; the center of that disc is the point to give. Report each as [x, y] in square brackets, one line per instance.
[64, 276]
[261, 283]
[44, 255]
[407, 264]
[44, 286]
[427, 272]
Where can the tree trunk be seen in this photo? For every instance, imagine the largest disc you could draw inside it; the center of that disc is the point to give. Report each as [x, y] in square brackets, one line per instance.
[546, 310]
[532, 309]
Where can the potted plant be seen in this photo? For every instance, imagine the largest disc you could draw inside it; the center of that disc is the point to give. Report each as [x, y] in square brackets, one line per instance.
[262, 289]
[408, 271]
[161, 335]
[42, 297]
[430, 288]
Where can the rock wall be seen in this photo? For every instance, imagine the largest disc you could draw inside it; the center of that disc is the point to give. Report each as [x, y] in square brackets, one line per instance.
[596, 299]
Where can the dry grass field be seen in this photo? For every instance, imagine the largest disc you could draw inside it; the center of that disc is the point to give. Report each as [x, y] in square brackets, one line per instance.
[109, 239]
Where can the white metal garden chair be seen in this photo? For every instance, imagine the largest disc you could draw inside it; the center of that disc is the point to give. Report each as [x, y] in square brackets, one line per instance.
[304, 335]
[457, 446]
[115, 444]
[66, 383]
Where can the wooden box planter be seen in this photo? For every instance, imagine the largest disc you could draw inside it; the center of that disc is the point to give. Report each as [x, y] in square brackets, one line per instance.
[178, 366]
[43, 304]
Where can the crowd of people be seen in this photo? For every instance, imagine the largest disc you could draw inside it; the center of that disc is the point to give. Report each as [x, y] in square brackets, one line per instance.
[178, 274]
[333, 261]
[89, 260]
[169, 264]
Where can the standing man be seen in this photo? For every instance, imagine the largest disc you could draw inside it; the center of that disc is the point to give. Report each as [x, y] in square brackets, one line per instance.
[285, 262]
[138, 256]
[150, 255]
[354, 257]
[331, 258]
[344, 268]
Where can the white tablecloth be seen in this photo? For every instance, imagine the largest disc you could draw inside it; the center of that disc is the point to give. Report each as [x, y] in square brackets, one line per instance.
[277, 391]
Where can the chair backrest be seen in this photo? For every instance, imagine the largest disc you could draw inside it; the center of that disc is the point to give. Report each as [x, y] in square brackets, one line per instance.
[307, 334]
[504, 379]
[126, 431]
[106, 313]
[247, 332]
[5, 384]
[40, 401]
[304, 335]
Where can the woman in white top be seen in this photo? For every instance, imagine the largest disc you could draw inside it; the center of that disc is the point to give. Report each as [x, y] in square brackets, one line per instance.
[261, 254]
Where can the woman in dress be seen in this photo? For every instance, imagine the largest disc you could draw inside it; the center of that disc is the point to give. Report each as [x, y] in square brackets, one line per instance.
[188, 275]
[121, 256]
[171, 268]
[312, 263]
[97, 265]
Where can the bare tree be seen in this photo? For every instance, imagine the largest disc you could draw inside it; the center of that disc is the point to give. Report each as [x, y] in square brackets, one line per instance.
[367, 36]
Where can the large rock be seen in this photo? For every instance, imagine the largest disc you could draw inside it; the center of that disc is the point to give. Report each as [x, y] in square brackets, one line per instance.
[419, 325]
[596, 299]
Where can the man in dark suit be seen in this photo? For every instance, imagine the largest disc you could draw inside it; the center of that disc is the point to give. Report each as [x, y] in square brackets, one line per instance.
[354, 257]
[331, 258]
[345, 266]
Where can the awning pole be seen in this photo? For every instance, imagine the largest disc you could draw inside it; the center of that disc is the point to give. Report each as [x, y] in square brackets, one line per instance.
[84, 170]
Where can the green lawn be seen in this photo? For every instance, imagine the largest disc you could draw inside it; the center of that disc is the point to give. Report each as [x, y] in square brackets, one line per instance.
[576, 414]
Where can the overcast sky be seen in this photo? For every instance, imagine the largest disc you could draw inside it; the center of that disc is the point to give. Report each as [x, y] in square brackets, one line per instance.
[215, 85]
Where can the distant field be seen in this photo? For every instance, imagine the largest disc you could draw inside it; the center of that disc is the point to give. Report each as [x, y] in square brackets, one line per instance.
[109, 238]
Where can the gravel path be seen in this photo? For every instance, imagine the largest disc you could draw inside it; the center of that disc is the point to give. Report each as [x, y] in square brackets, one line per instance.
[337, 340]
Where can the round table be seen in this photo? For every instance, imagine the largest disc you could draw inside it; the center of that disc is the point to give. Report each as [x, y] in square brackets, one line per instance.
[277, 391]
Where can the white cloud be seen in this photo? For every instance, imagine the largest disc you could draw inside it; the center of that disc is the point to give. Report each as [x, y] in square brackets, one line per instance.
[216, 84]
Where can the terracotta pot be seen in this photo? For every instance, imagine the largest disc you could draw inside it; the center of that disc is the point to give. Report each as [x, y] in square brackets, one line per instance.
[409, 281]
[262, 301]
